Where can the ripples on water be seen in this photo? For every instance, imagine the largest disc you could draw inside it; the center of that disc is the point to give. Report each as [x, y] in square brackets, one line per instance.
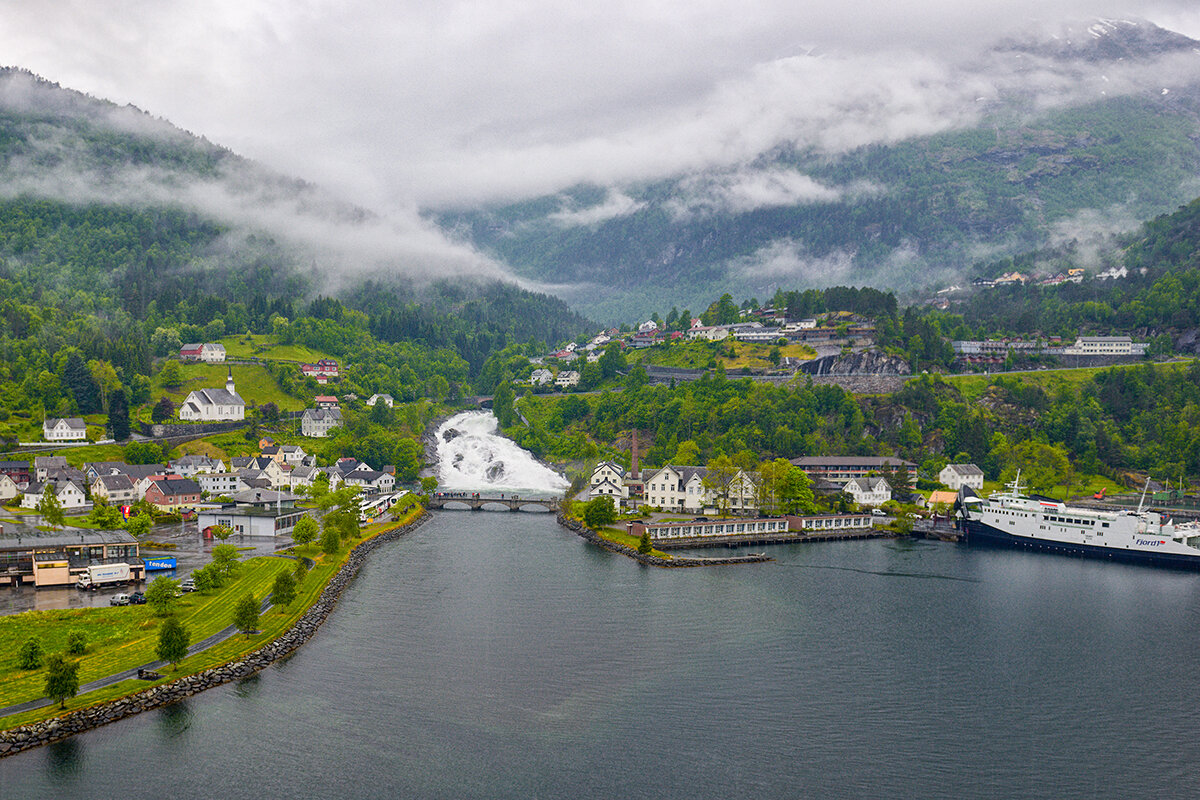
[497, 655]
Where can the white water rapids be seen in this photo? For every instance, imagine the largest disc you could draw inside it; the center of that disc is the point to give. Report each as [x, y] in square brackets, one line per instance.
[472, 455]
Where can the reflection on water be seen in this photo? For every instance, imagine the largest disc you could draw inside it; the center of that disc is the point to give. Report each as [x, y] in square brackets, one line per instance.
[248, 687]
[175, 720]
[65, 760]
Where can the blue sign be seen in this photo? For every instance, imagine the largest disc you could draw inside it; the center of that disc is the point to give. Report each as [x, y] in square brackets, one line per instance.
[159, 563]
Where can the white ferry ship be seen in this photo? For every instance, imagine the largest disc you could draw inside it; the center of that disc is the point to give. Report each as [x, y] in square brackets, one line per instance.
[1011, 518]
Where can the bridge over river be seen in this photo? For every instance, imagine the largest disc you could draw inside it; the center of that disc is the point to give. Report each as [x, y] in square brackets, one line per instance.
[476, 501]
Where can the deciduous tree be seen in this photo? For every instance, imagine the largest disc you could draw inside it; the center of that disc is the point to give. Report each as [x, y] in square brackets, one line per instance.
[161, 595]
[51, 509]
[173, 641]
[599, 512]
[30, 654]
[62, 678]
[283, 591]
[245, 614]
[305, 531]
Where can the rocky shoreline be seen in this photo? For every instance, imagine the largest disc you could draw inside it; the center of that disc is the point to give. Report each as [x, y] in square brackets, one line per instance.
[654, 561]
[25, 737]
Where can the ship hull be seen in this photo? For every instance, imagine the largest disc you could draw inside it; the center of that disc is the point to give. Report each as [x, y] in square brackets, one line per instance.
[979, 533]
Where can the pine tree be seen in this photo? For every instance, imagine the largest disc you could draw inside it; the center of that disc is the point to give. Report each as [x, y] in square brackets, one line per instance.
[81, 383]
[118, 415]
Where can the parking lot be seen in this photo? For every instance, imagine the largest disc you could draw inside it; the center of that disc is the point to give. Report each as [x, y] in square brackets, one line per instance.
[191, 552]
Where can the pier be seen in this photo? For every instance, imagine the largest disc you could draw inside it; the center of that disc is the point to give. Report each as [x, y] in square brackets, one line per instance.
[474, 501]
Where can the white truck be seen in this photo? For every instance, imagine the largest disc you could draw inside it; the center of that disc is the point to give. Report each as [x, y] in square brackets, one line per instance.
[104, 575]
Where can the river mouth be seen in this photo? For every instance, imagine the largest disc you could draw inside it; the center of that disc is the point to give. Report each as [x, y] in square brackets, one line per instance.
[472, 455]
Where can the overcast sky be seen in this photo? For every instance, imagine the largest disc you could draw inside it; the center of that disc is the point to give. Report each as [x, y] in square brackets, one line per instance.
[405, 103]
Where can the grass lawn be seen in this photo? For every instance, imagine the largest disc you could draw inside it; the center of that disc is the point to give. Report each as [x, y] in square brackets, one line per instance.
[697, 354]
[1084, 487]
[973, 386]
[120, 637]
[621, 537]
[124, 637]
[253, 382]
[78, 456]
[268, 347]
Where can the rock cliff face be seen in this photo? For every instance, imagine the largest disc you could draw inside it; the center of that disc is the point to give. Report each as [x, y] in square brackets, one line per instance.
[867, 362]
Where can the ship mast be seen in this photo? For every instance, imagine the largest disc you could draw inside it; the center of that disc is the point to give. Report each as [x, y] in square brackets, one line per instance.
[1142, 502]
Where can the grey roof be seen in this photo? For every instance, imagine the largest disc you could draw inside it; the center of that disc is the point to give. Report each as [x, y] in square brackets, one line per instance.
[116, 483]
[264, 496]
[965, 470]
[197, 460]
[318, 414]
[868, 484]
[218, 397]
[250, 462]
[50, 462]
[139, 471]
[366, 476]
[39, 488]
[177, 486]
[25, 540]
[870, 462]
[74, 423]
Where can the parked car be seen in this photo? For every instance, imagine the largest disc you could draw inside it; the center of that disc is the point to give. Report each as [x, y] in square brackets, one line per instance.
[188, 585]
[137, 599]
[878, 512]
[119, 600]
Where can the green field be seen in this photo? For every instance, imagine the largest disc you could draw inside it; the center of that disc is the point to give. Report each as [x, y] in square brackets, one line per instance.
[973, 387]
[268, 347]
[253, 382]
[121, 637]
[700, 354]
[125, 637]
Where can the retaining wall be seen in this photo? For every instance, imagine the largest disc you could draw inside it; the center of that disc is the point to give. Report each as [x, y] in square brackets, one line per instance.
[25, 737]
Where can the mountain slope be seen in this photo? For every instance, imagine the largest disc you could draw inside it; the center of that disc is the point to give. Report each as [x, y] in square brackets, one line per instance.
[105, 206]
[1032, 169]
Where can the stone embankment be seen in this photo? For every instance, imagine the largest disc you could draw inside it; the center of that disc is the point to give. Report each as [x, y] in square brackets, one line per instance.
[25, 737]
[654, 561]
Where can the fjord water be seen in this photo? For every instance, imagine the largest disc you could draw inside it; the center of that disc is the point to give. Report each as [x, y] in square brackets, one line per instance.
[496, 655]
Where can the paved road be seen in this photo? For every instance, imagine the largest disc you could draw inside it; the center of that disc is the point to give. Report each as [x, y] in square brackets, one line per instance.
[130, 674]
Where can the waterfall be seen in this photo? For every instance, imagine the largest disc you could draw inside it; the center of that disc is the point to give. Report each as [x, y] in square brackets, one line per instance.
[472, 455]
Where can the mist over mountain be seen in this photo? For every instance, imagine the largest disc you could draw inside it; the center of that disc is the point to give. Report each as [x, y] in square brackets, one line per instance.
[901, 172]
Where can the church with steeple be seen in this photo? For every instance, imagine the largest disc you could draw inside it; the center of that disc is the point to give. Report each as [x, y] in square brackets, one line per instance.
[214, 405]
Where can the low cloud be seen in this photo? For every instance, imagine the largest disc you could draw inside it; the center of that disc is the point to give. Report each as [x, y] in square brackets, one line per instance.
[788, 262]
[616, 204]
[341, 242]
[750, 189]
[442, 105]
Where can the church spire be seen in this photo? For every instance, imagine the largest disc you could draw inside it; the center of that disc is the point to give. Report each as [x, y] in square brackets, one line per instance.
[229, 382]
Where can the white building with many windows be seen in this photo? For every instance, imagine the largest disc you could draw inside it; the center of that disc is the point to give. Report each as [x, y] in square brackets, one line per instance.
[683, 489]
[957, 476]
[69, 429]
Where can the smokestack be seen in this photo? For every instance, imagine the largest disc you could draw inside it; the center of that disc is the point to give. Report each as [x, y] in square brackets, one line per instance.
[634, 462]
